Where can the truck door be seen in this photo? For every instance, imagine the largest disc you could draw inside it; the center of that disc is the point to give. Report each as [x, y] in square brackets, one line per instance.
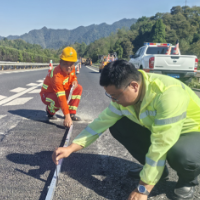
[139, 59]
[136, 58]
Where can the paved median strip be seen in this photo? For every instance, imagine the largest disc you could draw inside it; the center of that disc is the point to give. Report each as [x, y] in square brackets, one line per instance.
[6, 100]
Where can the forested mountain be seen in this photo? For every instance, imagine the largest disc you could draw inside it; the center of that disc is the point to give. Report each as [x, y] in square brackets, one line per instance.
[51, 38]
[181, 23]
[19, 50]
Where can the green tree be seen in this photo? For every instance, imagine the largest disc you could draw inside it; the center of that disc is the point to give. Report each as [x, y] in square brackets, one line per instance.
[158, 32]
[127, 48]
[176, 9]
[20, 57]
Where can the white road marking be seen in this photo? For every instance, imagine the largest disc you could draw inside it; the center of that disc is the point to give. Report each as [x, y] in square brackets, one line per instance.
[35, 91]
[2, 116]
[92, 69]
[6, 100]
[31, 84]
[18, 89]
[40, 81]
[18, 101]
[2, 97]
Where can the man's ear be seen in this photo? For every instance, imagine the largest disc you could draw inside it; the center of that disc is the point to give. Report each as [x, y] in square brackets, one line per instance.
[134, 85]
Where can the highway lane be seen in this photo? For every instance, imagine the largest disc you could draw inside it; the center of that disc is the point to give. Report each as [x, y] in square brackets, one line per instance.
[27, 141]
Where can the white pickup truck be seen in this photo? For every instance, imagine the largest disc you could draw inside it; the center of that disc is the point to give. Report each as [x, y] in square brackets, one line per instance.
[152, 58]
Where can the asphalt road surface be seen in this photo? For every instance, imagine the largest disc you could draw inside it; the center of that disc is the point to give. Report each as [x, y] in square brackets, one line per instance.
[27, 141]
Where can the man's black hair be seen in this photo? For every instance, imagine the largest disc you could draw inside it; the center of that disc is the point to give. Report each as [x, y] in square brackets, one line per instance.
[119, 73]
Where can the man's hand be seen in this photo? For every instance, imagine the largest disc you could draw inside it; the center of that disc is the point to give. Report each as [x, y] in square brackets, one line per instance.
[67, 121]
[74, 84]
[135, 195]
[59, 153]
[64, 152]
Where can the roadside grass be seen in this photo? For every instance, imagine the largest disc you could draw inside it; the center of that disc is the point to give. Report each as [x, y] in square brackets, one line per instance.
[193, 83]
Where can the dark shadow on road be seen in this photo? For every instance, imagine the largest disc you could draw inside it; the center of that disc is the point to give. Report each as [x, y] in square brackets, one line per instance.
[35, 115]
[41, 159]
[106, 175]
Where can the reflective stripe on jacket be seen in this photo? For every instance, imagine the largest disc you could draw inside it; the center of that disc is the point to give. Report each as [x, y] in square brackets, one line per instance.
[58, 82]
[169, 108]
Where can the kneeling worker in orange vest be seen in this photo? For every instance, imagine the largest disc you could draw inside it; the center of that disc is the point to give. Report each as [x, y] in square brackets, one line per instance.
[57, 85]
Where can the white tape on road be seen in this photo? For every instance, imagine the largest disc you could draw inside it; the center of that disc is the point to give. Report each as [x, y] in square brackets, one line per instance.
[2, 97]
[2, 116]
[18, 101]
[58, 168]
[18, 89]
[6, 100]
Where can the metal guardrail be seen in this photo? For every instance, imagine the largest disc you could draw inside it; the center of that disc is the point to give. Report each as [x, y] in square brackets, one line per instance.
[21, 65]
[4, 65]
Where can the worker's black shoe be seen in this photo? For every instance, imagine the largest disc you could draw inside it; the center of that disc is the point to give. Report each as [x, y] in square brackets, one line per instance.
[51, 117]
[135, 173]
[184, 193]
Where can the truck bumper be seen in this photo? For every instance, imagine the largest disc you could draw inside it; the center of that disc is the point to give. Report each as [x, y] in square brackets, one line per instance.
[175, 74]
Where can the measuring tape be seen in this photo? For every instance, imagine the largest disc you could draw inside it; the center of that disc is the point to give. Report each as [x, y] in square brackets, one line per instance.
[58, 167]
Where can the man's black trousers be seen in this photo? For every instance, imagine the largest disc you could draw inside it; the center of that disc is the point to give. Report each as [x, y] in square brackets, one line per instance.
[183, 157]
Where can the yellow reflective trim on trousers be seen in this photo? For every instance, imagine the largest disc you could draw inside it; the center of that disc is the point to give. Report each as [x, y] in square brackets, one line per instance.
[51, 106]
[65, 81]
[45, 86]
[76, 97]
[58, 94]
[50, 100]
[72, 108]
[51, 75]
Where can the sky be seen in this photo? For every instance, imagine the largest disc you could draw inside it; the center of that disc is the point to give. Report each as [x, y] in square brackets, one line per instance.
[18, 17]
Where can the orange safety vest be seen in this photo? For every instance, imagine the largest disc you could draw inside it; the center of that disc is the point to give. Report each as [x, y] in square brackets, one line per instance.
[58, 82]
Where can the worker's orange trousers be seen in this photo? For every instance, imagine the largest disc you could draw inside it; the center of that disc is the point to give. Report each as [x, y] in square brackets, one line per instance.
[51, 100]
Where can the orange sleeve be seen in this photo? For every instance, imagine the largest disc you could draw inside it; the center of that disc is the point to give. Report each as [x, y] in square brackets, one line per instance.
[57, 84]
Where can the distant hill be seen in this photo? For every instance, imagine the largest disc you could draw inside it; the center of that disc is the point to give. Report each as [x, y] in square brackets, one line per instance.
[56, 38]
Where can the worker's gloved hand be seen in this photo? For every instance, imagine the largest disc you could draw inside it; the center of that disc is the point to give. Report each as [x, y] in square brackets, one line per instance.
[59, 153]
[74, 84]
[67, 121]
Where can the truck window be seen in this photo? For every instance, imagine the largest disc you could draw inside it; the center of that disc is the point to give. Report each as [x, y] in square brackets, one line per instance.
[158, 50]
[138, 52]
[142, 50]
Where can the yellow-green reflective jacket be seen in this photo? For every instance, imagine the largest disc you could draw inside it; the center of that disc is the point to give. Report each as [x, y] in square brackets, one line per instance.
[169, 108]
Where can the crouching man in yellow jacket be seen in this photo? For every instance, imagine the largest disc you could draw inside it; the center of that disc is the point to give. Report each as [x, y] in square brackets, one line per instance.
[156, 118]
